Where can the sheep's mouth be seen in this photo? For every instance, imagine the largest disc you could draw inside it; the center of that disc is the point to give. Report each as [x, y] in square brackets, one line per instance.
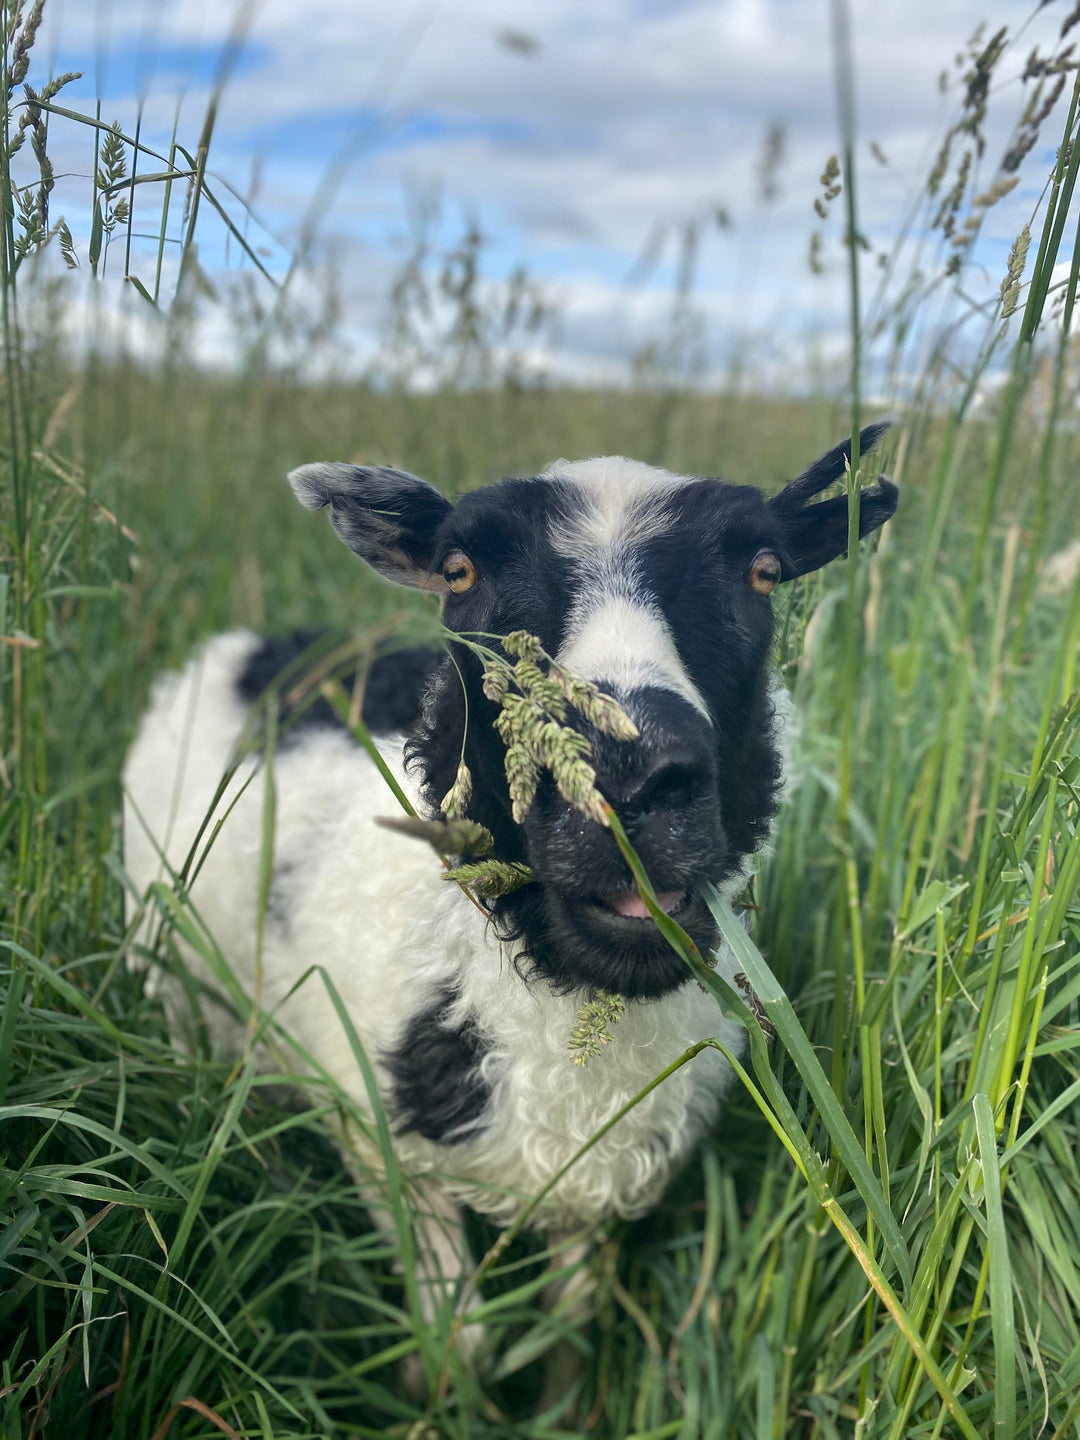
[609, 941]
[629, 905]
[622, 918]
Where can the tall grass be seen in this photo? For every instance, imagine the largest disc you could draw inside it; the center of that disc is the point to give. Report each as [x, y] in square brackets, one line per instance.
[881, 1239]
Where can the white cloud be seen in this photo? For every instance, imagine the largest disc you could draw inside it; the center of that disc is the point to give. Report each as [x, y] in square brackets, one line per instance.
[627, 115]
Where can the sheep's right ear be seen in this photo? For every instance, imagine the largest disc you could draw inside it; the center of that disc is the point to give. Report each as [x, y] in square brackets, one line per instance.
[816, 534]
[388, 517]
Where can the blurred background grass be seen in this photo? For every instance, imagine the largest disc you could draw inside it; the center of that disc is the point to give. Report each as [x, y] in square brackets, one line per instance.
[181, 1252]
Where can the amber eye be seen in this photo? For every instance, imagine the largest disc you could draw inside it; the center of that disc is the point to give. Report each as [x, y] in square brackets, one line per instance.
[764, 573]
[459, 572]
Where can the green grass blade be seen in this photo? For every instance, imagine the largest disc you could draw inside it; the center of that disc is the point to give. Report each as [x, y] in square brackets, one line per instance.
[797, 1044]
[1002, 1319]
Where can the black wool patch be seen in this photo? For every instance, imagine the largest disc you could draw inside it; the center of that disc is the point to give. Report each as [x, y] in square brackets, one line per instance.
[395, 688]
[438, 1089]
[392, 694]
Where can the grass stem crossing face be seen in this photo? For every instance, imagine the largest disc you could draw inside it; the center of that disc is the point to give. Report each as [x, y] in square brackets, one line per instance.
[656, 587]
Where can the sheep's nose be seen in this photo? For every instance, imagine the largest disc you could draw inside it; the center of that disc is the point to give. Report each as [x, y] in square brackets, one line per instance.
[667, 780]
[671, 766]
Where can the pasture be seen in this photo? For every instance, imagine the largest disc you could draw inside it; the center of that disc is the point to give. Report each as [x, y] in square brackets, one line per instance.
[882, 1237]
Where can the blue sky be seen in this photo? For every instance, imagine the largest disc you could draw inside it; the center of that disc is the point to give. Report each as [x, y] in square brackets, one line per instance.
[570, 133]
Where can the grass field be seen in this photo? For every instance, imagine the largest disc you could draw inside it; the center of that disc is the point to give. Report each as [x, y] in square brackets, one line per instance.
[883, 1237]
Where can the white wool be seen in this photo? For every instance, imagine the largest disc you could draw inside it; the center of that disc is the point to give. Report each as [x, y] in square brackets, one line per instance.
[618, 503]
[627, 643]
[369, 905]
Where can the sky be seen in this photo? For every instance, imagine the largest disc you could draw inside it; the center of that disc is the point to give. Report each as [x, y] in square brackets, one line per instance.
[580, 138]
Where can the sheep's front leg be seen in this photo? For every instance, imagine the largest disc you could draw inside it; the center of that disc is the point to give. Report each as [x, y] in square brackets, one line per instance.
[569, 1298]
[443, 1264]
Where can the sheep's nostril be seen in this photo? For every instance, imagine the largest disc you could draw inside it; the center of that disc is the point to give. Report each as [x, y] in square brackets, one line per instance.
[669, 783]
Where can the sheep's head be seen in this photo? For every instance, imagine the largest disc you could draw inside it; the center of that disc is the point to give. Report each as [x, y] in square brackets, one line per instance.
[656, 587]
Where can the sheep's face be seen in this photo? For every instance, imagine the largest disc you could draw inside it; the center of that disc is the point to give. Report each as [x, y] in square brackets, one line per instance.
[655, 586]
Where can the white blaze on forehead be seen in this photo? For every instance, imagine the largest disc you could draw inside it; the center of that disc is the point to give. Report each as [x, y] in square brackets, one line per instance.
[616, 632]
[629, 646]
[615, 501]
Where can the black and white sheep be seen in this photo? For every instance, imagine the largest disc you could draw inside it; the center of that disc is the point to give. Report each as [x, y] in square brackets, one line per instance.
[654, 585]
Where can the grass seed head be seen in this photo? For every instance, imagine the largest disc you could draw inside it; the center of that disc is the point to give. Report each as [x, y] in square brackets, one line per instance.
[1010, 286]
[531, 724]
[591, 1033]
[489, 879]
[456, 800]
[543, 689]
[576, 782]
[830, 176]
[522, 777]
[496, 683]
[23, 44]
[557, 745]
[523, 645]
[446, 837]
[601, 710]
[1001, 187]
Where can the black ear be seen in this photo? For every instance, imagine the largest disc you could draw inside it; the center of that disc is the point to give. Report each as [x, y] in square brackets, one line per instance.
[387, 516]
[816, 534]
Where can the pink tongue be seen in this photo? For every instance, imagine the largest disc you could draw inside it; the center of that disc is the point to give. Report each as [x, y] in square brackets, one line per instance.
[630, 903]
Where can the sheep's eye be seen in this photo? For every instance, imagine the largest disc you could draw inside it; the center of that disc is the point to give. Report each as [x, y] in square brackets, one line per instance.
[459, 572]
[764, 573]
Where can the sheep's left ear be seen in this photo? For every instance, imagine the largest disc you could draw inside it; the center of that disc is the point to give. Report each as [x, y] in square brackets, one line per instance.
[816, 534]
[388, 517]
